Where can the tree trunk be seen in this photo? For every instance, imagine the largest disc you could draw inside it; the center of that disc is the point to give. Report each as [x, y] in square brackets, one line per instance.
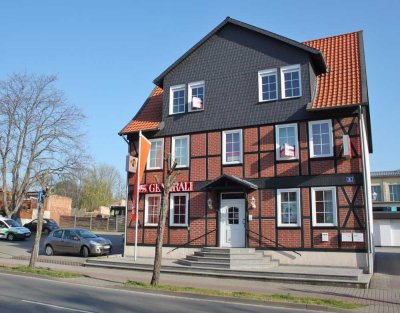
[160, 236]
[36, 245]
[169, 181]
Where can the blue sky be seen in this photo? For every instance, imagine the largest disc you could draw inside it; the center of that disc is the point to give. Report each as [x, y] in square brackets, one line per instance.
[106, 53]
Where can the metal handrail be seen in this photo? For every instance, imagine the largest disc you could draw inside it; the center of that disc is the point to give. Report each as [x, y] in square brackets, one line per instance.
[272, 241]
[187, 243]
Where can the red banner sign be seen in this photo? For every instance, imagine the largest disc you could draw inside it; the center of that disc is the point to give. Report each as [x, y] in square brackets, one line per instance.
[177, 187]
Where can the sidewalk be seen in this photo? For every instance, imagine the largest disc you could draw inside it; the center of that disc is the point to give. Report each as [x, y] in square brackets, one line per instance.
[378, 298]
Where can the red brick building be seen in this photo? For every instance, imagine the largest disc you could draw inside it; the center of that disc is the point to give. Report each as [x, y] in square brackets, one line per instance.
[272, 139]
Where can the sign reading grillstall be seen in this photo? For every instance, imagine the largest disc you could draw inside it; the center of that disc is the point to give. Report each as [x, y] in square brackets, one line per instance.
[157, 188]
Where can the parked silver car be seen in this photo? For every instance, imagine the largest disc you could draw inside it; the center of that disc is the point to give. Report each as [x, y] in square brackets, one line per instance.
[76, 241]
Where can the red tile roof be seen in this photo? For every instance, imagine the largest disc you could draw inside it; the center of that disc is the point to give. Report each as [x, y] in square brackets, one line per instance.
[341, 86]
[149, 116]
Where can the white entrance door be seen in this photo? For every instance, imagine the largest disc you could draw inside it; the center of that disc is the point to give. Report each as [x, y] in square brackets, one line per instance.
[232, 223]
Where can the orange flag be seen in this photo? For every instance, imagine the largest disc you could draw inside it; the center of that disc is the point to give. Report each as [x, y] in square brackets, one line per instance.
[144, 150]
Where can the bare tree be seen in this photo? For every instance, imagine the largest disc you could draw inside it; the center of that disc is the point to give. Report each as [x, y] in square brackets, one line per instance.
[39, 132]
[162, 218]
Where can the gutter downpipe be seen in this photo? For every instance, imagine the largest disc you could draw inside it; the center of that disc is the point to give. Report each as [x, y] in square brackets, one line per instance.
[126, 203]
[367, 201]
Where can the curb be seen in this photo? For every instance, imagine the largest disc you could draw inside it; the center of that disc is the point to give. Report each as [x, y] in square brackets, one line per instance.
[52, 261]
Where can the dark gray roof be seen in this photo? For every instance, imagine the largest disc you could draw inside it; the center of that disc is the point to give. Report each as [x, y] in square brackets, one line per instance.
[224, 180]
[316, 55]
[395, 173]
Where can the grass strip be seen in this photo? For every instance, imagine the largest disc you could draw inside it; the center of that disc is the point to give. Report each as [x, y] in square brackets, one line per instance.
[40, 271]
[287, 298]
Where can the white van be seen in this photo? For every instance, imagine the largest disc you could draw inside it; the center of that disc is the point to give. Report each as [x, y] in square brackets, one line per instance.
[11, 230]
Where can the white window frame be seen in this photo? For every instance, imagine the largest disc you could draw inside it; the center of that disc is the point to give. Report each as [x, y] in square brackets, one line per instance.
[314, 209]
[286, 69]
[146, 208]
[278, 146]
[279, 192]
[171, 209]
[162, 157]
[372, 192]
[188, 150]
[224, 133]
[171, 98]
[190, 87]
[261, 74]
[311, 143]
[390, 193]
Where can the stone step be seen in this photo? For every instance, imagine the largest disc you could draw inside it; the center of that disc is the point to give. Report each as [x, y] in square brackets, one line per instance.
[268, 274]
[196, 264]
[228, 256]
[229, 250]
[248, 261]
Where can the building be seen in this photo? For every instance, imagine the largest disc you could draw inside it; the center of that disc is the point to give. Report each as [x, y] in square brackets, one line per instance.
[272, 139]
[55, 207]
[386, 207]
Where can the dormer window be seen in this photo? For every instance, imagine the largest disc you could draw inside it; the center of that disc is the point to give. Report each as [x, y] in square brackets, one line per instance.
[196, 96]
[291, 81]
[177, 99]
[267, 85]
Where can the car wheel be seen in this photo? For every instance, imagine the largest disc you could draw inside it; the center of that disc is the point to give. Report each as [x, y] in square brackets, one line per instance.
[10, 237]
[46, 231]
[85, 251]
[49, 250]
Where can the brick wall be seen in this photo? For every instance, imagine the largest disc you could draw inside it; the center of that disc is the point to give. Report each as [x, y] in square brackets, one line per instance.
[259, 161]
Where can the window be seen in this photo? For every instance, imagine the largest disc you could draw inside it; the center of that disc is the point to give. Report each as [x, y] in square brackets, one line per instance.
[152, 205]
[267, 85]
[289, 207]
[376, 193]
[287, 142]
[232, 147]
[177, 99]
[156, 155]
[2, 225]
[321, 138]
[233, 216]
[324, 206]
[69, 235]
[57, 233]
[196, 96]
[180, 150]
[394, 192]
[179, 209]
[291, 81]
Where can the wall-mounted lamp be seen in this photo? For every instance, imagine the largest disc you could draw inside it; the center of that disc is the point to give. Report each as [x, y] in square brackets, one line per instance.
[209, 204]
[253, 203]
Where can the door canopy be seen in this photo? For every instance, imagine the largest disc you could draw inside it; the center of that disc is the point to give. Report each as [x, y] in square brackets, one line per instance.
[229, 182]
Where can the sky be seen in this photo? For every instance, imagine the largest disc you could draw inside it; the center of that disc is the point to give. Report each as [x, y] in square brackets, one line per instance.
[107, 53]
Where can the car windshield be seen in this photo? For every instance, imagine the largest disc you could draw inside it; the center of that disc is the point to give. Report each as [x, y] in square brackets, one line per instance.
[12, 223]
[86, 234]
[51, 221]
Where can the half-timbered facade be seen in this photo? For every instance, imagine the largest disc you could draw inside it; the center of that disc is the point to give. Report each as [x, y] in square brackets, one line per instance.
[272, 138]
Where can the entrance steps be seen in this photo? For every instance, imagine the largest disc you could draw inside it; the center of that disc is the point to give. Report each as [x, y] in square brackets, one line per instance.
[228, 258]
[226, 263]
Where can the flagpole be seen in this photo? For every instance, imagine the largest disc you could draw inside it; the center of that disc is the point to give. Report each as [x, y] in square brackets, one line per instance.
[137, 198]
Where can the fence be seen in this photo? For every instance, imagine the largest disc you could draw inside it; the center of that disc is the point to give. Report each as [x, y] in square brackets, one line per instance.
[112, 223]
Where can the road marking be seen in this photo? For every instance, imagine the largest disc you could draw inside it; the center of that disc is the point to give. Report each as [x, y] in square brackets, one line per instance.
[56, 306]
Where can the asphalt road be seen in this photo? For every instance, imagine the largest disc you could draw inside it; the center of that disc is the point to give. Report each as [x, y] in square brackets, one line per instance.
[32, 294]
[23, 247]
